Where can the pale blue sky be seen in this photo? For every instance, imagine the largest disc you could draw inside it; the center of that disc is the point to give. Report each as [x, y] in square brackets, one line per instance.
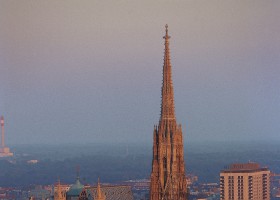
[90, 71]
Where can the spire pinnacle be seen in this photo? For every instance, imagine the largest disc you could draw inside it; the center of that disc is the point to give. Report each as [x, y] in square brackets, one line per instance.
[99, 194]
[59, 188]
[167, 94]
[78, 172]
[166, 32]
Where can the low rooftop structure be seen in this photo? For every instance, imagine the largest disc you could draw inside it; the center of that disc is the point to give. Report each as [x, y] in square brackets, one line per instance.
[244, 167]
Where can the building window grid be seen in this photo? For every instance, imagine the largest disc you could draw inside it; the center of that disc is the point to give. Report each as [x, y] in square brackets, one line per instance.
[264, 185]
[222, 186]
[231, 187]
[258, 187]
[250, 186]
[240, 188]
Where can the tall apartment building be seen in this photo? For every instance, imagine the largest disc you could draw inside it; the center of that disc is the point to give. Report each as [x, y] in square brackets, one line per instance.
[4, 150]
[246, 181]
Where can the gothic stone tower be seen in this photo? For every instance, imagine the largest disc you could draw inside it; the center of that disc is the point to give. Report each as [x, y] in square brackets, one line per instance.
[168, 180]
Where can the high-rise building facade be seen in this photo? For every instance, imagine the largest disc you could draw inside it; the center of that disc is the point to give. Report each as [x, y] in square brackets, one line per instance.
[245, 182]
[168, 179]
[4, 150]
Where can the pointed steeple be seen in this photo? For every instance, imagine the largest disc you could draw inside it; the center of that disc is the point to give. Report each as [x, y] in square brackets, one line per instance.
[59, 194]
[168, 180]
[167, 93]
[99, 193]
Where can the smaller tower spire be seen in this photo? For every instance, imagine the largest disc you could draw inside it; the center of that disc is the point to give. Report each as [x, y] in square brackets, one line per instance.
[59, 190]
[59, 194]
[99, 193]
[78, 172]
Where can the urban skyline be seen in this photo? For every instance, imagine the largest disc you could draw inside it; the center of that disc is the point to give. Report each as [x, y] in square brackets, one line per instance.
[81, 81]
[91, 68]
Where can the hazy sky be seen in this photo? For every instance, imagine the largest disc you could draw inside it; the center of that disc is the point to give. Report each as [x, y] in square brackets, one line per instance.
[91, 71]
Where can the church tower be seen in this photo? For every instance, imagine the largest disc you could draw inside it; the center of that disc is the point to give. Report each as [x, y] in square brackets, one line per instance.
[99, 194]
[59, 194]
[168, 179]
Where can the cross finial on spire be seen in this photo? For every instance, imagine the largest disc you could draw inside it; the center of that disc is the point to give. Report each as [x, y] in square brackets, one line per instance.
[166, 32]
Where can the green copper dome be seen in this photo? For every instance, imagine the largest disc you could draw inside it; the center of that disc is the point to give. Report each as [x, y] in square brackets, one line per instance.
[75, 189]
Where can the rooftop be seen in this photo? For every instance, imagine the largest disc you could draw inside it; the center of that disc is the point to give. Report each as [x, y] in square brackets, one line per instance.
[244, 167]
[75, 189]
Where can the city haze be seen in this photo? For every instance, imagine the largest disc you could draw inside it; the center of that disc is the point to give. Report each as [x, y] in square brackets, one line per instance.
[91, 71]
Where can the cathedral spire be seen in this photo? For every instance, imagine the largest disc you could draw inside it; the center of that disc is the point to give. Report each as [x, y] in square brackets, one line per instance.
[168, 179]
[167, 94]
[99, 193]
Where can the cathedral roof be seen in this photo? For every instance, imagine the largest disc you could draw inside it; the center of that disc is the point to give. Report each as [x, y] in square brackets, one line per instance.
[112, 192]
